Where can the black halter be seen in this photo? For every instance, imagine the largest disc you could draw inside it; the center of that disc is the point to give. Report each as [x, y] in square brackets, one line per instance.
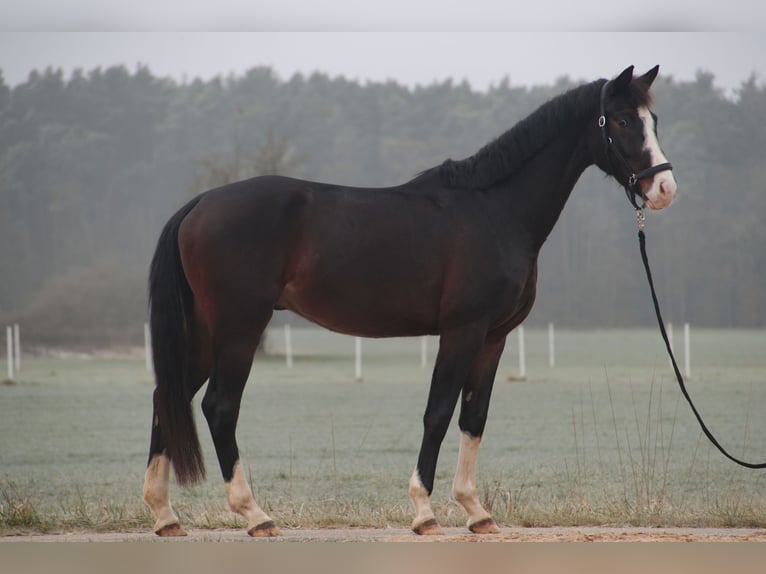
[632, 188]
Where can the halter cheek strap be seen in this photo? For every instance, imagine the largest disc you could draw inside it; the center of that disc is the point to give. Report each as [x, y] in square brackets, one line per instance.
[632, 187]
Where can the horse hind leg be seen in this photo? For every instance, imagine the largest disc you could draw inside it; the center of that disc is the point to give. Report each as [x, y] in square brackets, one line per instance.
[155, 491]
[157, 480]
[241, 501]
[233, 358]
[157, 476]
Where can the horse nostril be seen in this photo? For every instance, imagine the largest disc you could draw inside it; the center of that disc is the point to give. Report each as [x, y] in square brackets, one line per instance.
[663, 191]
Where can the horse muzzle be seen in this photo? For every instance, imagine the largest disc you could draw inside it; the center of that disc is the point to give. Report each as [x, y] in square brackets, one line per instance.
[659, 190]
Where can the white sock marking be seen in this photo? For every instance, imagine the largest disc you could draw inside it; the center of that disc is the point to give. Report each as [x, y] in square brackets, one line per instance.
[241, 500]
[420, 500]
[155, 492]
[464, 485]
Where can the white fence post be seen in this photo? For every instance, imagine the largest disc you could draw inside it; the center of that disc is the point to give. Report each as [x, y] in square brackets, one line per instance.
[358, 353]
[288, 346]
[147, 347]
[423, 352]
[522, 358]
[9, 351]
[17, 347]
[687, 352]
[551, 347]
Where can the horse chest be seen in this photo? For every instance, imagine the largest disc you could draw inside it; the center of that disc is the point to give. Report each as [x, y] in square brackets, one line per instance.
[516, 301]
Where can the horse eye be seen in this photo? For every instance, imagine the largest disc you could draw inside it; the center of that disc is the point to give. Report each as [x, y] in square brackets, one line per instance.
[623, 123]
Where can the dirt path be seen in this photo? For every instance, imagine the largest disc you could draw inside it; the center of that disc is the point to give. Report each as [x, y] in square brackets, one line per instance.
[562, 534]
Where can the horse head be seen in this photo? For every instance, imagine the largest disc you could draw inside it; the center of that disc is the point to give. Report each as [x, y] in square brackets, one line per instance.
[630, 151]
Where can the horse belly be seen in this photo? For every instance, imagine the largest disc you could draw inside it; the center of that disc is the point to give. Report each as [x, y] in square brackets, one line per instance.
[364, 306]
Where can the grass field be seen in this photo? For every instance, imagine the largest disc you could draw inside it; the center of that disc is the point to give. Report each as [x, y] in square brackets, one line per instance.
[603, 438]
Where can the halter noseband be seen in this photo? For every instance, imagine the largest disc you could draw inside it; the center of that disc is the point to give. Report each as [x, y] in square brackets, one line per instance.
[632, 188]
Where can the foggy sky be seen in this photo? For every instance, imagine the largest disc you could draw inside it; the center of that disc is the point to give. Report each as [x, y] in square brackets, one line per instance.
[411, 58]
[391, 15]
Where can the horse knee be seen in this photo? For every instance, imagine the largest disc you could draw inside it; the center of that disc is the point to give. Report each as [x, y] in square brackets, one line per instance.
[435, 426]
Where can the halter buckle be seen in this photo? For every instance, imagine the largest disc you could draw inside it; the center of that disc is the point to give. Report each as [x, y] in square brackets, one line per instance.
[632, 180]
[601, 121]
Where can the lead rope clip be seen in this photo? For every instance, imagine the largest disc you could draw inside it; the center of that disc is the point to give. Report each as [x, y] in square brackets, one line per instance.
[640, 219]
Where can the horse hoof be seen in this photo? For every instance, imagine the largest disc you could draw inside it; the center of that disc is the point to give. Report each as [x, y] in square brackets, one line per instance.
[428, 528]
[171, 530]
[265, 530]
[485, 526]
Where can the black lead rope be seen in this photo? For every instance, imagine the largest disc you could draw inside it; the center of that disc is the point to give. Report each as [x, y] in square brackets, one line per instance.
[679, 377]
[633, 190]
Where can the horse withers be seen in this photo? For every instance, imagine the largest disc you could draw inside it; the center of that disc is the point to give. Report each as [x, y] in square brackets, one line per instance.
[452, 252]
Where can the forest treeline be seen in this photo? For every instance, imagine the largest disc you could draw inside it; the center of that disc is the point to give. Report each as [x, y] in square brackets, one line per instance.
[93, 163]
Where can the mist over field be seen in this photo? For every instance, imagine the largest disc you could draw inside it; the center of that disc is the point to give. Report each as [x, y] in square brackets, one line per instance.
[94, 162]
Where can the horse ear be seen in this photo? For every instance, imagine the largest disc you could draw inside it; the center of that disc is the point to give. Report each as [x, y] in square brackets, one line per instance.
[622, 81]
[649, 77]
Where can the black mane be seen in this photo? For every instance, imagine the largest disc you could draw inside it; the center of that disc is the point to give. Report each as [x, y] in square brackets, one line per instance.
[502, 157]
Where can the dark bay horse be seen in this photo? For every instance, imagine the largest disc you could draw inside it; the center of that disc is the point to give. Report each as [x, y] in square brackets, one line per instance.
[452, 252]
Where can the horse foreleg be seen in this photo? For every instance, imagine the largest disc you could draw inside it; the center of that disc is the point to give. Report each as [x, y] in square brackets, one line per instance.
[454, 362]
[464, 487]
[473, 417]
[424, 521]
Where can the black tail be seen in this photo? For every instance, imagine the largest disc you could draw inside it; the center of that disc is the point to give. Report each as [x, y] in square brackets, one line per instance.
[171, 305]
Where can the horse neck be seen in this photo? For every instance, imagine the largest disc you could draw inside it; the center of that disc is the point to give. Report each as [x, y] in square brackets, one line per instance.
[535, 196]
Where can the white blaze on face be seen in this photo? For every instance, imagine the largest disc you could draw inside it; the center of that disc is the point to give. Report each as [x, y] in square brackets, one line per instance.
[660, 189]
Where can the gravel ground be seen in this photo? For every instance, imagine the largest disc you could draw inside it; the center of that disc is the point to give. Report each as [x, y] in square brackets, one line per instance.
[583, 534]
